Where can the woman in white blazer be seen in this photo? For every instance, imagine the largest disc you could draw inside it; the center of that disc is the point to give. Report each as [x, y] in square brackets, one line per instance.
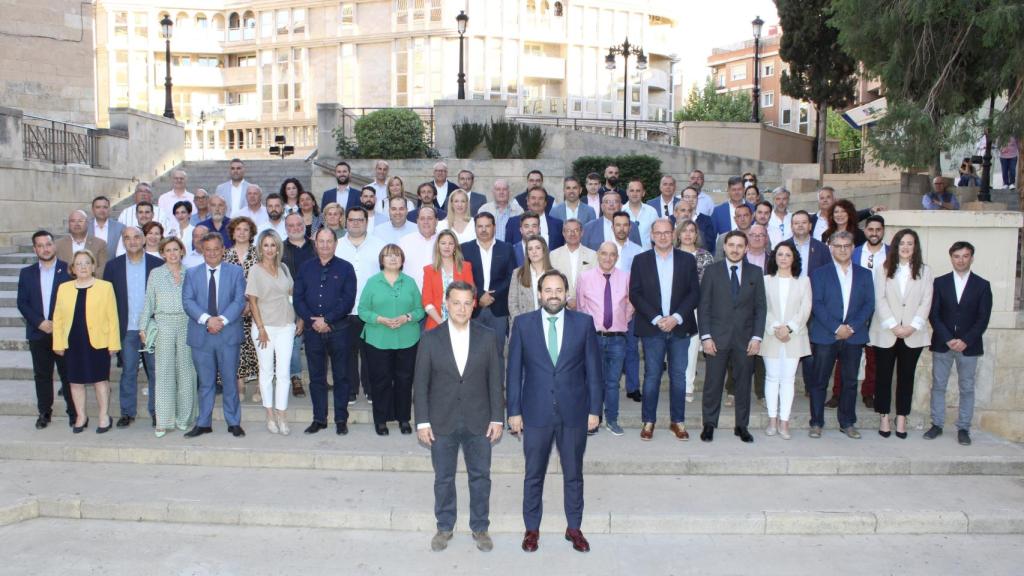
[785, 335]
[899, 330]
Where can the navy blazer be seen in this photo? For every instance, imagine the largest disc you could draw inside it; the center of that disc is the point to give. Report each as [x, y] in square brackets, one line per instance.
[230, 304]
[817, 253]
[555, 238]
[503, 264]
[827, 305]
[521, 200]
[593, 234]
[574, 386]
[966, 320]
[584, 213]
[451, 187]
[116, 273]
[519, 251]
[645, 292]
[331, 195]
[721, 219]
[30, 296]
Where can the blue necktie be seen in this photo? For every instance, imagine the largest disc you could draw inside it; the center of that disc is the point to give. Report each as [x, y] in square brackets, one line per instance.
[211, 305]
[734, 282]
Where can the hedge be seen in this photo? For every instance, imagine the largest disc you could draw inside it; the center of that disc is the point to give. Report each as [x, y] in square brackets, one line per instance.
[646, 168]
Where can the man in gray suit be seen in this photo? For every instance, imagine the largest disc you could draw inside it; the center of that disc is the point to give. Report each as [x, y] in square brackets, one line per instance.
[233, 191]
[459, 402]
[102, 226]
[730, 317]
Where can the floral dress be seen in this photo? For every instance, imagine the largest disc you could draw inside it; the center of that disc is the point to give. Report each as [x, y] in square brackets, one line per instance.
[248, 365]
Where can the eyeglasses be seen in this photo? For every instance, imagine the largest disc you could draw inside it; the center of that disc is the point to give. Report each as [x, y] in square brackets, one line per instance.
[843, 247]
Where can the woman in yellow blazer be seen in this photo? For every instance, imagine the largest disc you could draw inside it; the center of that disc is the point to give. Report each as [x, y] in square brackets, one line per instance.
[86, 334]
[899, 330]
[788, 297]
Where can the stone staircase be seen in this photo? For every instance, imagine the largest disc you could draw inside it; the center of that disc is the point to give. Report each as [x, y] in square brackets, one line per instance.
[646, 490]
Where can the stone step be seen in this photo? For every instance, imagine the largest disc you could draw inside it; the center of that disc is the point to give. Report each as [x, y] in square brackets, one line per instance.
[363, 451]
[635, 504]
[18, 258]
[9, 299]
[13, 338]
[9, 317]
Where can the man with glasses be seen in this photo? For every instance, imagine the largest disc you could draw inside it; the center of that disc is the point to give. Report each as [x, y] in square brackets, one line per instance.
[780, 225]
[844, 300]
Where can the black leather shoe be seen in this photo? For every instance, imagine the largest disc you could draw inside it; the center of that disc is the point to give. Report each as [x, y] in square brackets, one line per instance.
[744, 434]
[933, 432]
[963, 437]
[382, 431]
[125, 421]
[708, 434]
[198, 431]
[635, 395]
[236, 431]
[341, 428]
[314, 427]
[105, 429]
[79, 429]
[406, 428]
[42, 422]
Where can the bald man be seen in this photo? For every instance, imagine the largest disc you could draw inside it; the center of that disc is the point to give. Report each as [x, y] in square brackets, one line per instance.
[78, 239]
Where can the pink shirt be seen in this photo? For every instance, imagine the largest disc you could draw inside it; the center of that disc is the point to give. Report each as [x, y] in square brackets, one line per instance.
[590, 298]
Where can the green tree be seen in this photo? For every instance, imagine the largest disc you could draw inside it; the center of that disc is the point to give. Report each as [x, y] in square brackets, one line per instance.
[838, 129]
[391, 133]
[710, 106]
[820, 71]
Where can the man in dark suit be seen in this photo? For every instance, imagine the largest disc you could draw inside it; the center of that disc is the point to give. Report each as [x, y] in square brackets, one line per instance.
[442, 185]
[549, 226]
[599, 231]
[343, 194]
[476, 199]
[664, 291]
[554, 395]
[961, 308]
[722, 216]
[813, 253]
[493, 263]
[611, 183]
[534, 179]
[841, 309]
[731, 314]
[427, 195]
[129, 273]
[664, 203]
[37, 294]
[459, 404]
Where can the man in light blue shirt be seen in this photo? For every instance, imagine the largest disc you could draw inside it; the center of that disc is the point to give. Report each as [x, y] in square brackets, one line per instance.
[398, 224]
[940, 198]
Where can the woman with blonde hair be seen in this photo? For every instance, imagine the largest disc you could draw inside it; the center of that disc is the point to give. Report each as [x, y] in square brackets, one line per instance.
[333, 220]
[396, 189]
[448, 267]
[522, 293]
[86, 333]
[269, 290]
[458, 219]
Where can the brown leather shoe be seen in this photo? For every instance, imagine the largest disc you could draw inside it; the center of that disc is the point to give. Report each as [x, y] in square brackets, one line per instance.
[579, 543]
[833, 402]
[647, 432]
[530, 540]
[297, 390]
[679, 430]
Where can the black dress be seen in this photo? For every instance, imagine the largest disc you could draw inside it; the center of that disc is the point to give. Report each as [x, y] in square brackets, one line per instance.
[85, 364]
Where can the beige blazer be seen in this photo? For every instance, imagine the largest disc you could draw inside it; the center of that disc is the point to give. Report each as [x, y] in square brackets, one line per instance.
[560, 261]
[520, 298]
[93, 244]
[795, 313]
[892, 309]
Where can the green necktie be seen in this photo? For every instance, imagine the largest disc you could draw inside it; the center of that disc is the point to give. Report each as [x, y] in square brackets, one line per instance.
[553, 339]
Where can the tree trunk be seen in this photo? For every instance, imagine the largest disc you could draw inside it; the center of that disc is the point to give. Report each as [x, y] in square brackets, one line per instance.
[822, 111]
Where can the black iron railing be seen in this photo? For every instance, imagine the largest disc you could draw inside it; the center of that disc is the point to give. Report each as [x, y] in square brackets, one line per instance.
[849, 162]
[661, 131]
[58, 142]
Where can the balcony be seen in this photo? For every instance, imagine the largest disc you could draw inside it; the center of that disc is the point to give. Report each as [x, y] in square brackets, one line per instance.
[193, 76]
[241, 34]
[544, 29]
[240, 76]
[657, 79]
[549, 67]
[241, 113]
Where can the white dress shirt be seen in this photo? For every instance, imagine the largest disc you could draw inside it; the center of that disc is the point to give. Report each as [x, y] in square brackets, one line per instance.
[365, 259]
[419, 252]
[101, 231]
[845, 285]
[644, 220]
[705, 205]
[959, 282]
[259, 215]
[819, 226]
[485, 262]
[216, 275]
[280, 228]
[780, 229]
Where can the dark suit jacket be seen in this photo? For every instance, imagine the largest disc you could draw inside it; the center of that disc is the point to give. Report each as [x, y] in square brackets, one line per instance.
[451, 187]
[116, 274]
[818, 255]
[556, 240]
[720, 218]
[30, 296]
[448, 400]
[966, 320]
[593, 233]
[476, 200]
[645, 292]
[536, 388]
[659, 206]
[503, 263]
[331, 195]
[521, 200]
[827, 305]
[519, 251]
[731, 323]
[621, 192]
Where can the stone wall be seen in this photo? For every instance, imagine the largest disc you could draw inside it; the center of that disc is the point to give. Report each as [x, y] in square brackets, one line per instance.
[747, 140]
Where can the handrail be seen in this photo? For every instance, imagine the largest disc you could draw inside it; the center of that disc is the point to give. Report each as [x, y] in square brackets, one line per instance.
[58, 142]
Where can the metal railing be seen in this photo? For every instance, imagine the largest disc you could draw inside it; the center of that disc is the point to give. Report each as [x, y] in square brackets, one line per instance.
[59, 142]
[848, 162]
[349, 116]
[662, 132]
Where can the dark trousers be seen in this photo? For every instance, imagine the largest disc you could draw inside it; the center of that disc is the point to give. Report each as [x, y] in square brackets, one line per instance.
[825, 357]
[391, 374]
[730, 383]
[320, 347]
[537, 442]
[742, 366]
[867, 387]
[904, 360]
[444, 454]
[499, 324]
[358, 368]
[43, 361]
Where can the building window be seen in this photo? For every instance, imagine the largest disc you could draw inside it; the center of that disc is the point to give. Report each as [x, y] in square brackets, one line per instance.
[787, 117]
[266, 24]
[121, 24]
[739, 72]
[141, 25]
[299, 21]
[282, 22]
[767, 99]
[201, 21]
[804, 119]
[249, 21]
[767, 70]
[435, 10]
[721, 80]
[401, 13]
[347, 14]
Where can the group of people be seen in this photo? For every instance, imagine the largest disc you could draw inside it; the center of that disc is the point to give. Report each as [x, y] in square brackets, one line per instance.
[432, 296]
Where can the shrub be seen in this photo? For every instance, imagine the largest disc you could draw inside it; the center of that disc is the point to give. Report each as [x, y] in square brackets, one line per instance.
[468, 135]
[391, 133]
[646, 168]
[501, 138]
[531, 140]
[345, 147]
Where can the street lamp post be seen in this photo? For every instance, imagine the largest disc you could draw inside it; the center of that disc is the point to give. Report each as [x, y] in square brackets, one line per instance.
[462, 20]
[625, 50]
[755, 115]
[167, 30]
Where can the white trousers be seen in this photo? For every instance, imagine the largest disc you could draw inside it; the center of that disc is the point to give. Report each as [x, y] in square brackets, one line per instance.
[691, 364]
[282, 338]
[779, 376]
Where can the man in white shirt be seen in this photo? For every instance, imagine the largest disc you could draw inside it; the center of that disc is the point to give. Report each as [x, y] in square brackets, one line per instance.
[362, 251]
[233, 191]
[381, 169]
[253, 208]
[195, 256]
[398, 225]
[419, 246]
[643, 214]
[780, 225]
[501, 208]
[143, 193]
[275, 216]
[442, 186]
[592, 198]
[572, 208]
[178, 193]
[573, 258]
[101, 226]
[705, 205]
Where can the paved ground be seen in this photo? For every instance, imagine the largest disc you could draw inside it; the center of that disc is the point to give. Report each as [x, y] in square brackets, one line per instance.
[114, 548]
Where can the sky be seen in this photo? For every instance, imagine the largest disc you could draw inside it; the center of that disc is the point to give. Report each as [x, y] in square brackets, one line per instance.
[705, 25]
